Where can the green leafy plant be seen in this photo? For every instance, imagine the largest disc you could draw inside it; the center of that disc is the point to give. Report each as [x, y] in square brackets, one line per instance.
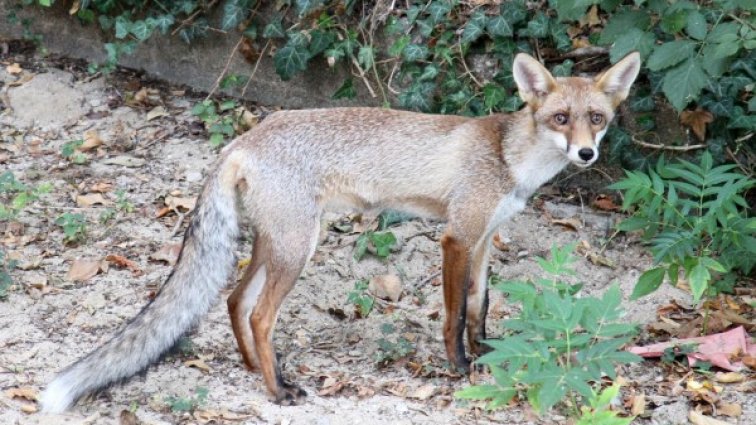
[6, 266]
[70, 152]
[381, 242]
[74, 227]
[599, 412]
[122, 204]
[694, 218]
[560, 345]
[188, 404]
[218, 119]
[15, 196]
[361, 298]
[392, 346]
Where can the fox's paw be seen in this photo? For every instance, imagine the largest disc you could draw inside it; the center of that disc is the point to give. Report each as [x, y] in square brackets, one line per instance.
[290, 395]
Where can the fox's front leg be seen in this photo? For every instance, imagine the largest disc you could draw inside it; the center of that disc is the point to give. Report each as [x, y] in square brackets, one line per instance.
[477, 297]
[456, 268]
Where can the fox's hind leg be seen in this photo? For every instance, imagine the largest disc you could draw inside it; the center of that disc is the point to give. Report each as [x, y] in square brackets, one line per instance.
[286, 256]
[242, 301]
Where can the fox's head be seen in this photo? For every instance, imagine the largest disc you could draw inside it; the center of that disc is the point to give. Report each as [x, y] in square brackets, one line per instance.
[574, 112]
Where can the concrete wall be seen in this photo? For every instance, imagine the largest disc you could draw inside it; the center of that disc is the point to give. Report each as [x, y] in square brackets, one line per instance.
[197, 65]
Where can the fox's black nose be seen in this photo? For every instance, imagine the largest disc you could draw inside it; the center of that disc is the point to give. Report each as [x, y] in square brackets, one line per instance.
[585, 154]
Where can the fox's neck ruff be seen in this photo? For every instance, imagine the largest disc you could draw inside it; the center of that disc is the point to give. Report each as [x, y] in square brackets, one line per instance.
[532, 160]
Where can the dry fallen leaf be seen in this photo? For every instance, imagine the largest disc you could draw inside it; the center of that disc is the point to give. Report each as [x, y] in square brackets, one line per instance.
[27, 393]
[220, 416]
[591, 19]
[387, 287]
[199, 364]
[101, 187]
[83, 269]
[28, 408]
[168, 253]
[639, 405]
[183, 205]
[424, 392]
[572, 223]
[700, 419]
[728, 377]
[605, 203]
[91, 140]
[697, 121]
[499, 244]
[13, 69]
[128, 417]
[157, 112]
[124, 262]
[91, 199]
[732, 410]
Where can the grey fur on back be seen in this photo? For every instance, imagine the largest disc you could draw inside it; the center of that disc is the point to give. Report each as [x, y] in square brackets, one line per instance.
[204, 267]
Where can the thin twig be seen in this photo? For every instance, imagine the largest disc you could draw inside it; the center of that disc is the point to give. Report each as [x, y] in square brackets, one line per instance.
[363, 77]
[666, 147]
[225, 68]
[582, 52]
[254, 70]
[177, 226]
[467, 70]
[191, 18]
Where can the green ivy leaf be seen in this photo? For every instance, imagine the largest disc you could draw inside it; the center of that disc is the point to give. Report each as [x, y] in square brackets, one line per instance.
[274, 29]
[291, 58]
[514, 11]
[564, 69]
[437, 11]
[141, 30]
[493, 94]
[399, 45]
[122, 27]
[366, 56]
[670, 54]
[234, 11]
[499, 27]
[538, 27]
[320, 40]
[346, 91]
[633, 39]
[418, 96]
[696, 26]
[164, 22]
[414, 52]
[475, 27]
[683, 83]
[648, 282]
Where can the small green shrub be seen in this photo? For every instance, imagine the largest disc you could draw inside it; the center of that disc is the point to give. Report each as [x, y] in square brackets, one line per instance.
[560, 345]
[188, 404]
[15, 196]
[694, 218]
[598, 411]
[69, 152]
[218, 119]
[360, 298]
[6, 266]
[392, 346]
[74, 227]
[381, 242]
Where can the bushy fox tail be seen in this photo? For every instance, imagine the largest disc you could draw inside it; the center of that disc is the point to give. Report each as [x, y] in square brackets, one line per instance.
[203, 269]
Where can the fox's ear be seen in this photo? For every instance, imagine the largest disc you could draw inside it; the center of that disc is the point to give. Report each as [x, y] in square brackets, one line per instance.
[533, 80]
[616, 81]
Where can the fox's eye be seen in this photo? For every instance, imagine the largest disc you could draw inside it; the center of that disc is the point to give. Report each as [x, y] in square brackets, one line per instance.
[561, 119]
[597, 119]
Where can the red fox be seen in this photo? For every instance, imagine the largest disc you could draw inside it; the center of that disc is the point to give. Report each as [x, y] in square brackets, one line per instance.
[473, 172]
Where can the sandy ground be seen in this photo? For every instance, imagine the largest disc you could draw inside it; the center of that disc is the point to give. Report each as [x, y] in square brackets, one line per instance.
[48, 321]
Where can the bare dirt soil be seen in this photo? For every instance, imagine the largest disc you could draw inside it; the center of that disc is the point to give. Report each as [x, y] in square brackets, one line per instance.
[49, 320]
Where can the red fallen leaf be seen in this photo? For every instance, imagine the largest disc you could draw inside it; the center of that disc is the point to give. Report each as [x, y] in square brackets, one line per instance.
[697, 121]
[606, 203]
[122, 261]
[716, 349]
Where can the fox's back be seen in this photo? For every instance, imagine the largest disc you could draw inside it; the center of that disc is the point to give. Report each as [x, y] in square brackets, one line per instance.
[361, 154]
